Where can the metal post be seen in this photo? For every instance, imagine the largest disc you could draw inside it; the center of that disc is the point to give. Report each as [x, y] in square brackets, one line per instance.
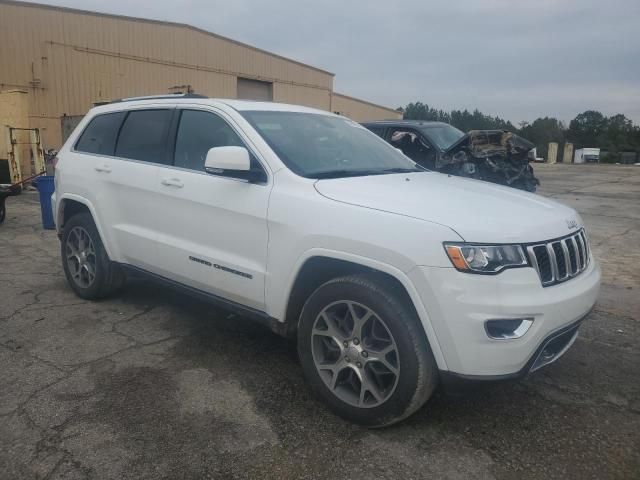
[36, 151]
[15, 173]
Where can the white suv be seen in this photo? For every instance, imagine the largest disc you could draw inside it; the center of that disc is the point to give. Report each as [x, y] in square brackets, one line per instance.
[391, 277]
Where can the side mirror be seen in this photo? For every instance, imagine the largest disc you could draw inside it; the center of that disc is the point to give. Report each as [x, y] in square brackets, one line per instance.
[232, 162]
[220, 159]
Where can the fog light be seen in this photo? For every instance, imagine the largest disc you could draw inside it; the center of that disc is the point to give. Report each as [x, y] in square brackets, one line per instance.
[507, 328]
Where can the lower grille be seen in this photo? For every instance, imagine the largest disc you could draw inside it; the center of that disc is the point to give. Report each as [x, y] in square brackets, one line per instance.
[559, 260]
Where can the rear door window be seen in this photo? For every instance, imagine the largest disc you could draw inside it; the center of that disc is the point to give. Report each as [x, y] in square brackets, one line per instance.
[144, 136]
[101, 134]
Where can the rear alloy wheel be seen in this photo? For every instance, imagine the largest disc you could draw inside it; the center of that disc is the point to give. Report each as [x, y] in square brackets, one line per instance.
[363, 350]
[81, 257]
[86, 264]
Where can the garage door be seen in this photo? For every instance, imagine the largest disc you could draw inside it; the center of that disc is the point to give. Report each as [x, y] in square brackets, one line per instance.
[255, 90]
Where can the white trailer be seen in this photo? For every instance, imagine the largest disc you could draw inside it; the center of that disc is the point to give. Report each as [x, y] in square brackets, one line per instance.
[587, 155]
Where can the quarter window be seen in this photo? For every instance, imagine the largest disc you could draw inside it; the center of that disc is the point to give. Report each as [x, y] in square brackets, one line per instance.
[197, 133]
[143, 136]
[101, 134]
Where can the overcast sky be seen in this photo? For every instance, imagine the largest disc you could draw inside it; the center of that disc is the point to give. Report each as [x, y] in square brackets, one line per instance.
[519, 59]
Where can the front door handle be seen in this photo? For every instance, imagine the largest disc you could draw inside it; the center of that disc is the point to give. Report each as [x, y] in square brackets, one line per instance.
[172, 182]
[103, 168]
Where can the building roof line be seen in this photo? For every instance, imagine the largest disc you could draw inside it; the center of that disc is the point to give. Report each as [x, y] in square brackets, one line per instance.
[362, 101]
[161, 22]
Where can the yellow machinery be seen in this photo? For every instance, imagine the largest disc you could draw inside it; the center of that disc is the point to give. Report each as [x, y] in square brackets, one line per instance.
[20, 141]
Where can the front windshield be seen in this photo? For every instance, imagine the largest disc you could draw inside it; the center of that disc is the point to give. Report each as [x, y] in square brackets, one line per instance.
[443, 135]
[321, 146]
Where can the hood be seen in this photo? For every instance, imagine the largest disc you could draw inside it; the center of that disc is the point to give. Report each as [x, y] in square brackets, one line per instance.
[489, 143]
[477, 211]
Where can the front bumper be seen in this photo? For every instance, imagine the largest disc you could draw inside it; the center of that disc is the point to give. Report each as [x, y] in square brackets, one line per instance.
[551, 349]
[459, 304]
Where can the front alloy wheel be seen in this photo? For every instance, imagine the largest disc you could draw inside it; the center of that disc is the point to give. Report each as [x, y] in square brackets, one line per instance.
[355, 354]
[363, 349]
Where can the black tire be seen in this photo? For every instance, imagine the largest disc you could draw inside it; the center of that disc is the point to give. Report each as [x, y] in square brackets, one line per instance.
[109, 277]
[3, 211]
[418, 374]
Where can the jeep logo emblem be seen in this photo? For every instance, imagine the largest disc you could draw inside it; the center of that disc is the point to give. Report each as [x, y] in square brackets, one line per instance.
[572, 224]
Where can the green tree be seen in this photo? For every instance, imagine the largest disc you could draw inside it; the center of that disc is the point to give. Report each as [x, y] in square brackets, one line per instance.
[615, 134]
[542, 131]
[585, 130]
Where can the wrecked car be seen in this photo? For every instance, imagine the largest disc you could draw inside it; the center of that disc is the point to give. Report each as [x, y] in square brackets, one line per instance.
[494, 156]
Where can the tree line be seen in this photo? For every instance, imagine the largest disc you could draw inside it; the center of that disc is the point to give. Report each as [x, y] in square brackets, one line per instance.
[615, 134]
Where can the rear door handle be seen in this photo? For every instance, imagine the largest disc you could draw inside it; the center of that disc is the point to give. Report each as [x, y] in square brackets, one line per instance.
[104, 168]
[172, 182]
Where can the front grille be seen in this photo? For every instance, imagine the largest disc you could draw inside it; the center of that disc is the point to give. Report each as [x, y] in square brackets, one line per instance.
[559, 260]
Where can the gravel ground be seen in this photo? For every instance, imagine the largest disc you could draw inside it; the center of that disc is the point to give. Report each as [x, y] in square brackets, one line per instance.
[152, 384]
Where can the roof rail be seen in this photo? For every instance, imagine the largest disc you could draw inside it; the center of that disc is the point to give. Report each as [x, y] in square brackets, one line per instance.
[159, 97]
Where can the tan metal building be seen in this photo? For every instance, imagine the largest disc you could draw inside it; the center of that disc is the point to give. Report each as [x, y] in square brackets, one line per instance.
[65, 60]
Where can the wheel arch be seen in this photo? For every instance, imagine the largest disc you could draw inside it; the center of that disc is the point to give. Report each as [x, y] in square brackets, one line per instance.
[71, 204]
[318, 267]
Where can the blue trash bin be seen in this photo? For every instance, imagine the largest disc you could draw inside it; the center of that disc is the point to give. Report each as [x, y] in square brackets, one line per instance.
[46, 188]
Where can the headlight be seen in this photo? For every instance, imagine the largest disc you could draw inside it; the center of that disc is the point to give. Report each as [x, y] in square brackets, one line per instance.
[472, 258]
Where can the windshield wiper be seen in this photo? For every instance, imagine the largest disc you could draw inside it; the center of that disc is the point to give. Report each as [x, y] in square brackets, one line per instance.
[363, 173]
[403, 170]
[345, 173]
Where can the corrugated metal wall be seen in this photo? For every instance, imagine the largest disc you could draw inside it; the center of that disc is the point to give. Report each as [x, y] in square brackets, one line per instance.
[361, 111]
[69, 59]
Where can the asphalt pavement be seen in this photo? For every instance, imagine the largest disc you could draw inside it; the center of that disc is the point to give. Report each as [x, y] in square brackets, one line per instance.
[153, 384]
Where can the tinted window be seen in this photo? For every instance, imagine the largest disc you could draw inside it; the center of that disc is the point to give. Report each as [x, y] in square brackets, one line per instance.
[101, 134]
[377, 130]
[143, 136]
[197, 133]
[443, 136]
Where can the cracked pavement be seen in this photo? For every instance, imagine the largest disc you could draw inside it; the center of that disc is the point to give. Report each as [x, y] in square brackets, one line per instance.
[153, 384]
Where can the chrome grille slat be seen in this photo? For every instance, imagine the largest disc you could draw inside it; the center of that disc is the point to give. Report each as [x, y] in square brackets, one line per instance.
[577, 255]
[572, 251]
[561, 261]
[554, 262]
[534, 260]
[573, 264]
[579, 262]
[567, 262]
[581, 248]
